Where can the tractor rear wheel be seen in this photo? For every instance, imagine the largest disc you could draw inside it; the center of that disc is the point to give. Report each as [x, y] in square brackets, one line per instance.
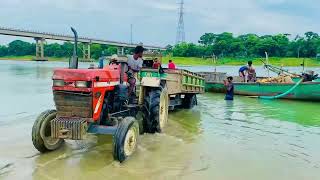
[41, 132]
[155, 109]
[125, 139]
[189, 101]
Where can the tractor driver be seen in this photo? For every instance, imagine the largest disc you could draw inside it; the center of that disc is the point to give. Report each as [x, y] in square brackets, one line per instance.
[135, 64]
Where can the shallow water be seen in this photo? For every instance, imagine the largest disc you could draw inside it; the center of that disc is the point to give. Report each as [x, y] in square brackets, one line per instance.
[244, 139]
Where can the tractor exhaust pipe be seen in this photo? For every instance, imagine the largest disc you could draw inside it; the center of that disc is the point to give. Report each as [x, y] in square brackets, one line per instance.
[73, 63]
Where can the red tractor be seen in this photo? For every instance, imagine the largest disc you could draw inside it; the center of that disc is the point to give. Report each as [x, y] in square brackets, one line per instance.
[90, 101]
[96, 101]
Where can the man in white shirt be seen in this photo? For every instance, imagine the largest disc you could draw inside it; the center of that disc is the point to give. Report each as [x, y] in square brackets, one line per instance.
[135, 64]
[135, 61]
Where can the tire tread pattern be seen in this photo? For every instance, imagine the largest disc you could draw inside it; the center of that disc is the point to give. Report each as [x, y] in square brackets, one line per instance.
[36, 137]
[119, 138]
[151, 108]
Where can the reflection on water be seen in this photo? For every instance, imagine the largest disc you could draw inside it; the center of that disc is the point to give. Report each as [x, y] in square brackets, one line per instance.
[242, 139]
[185, 124]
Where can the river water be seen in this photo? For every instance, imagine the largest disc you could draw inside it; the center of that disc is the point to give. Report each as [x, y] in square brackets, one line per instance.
[245, 139]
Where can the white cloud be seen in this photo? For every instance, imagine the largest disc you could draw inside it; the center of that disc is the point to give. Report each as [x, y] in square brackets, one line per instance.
[274, 1]
[249, 16]
[155, 21]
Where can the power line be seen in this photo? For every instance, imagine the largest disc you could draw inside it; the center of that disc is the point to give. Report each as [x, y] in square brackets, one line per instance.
[180, 29]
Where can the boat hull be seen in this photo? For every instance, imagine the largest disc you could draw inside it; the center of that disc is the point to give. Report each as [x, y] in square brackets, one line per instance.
[309, 91]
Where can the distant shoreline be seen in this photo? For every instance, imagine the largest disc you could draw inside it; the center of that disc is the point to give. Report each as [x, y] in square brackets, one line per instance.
[192, 61]
[30, 58]
[288, 62]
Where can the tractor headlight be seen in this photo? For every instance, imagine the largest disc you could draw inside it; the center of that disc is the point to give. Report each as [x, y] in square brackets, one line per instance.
[83, 84]
[58, 82]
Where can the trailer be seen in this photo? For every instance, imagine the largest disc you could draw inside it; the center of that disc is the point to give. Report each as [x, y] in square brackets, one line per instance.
[182, 86]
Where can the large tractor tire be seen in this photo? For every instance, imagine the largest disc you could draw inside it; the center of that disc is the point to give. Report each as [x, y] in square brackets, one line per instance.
[155, 109]
[41, 133]
[125, 139]
[189, 101]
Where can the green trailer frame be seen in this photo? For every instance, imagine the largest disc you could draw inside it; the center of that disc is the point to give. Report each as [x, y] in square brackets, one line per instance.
[180, 84]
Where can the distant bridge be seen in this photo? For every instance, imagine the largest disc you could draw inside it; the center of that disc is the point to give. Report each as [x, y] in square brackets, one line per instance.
[40, 37]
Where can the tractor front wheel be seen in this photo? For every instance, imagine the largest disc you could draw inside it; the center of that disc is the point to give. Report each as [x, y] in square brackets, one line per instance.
[125, 139]
[41, 132]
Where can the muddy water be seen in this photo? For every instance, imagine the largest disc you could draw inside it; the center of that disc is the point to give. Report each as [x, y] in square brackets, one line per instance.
[244, 139]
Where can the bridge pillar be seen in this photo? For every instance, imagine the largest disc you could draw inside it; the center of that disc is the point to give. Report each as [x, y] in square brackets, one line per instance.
[121, 50]
[40, 50]
[86, 52]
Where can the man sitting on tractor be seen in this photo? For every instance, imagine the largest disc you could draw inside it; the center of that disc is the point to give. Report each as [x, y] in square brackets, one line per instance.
[114, 58]
[135, 64]
[156, 64]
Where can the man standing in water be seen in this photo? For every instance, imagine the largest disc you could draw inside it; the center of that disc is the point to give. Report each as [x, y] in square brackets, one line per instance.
[230, 88]
[135, 64]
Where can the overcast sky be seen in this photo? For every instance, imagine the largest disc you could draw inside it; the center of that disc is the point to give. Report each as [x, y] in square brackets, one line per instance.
[155, 21]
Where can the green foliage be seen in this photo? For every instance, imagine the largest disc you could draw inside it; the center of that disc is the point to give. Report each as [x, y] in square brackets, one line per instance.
[277, 61]
[188, 50]
[224, 45]
[24, 49]
[20, 48]
[3, 50]
[54, 50]
[98, 50]
[111, 50]
[249, 45]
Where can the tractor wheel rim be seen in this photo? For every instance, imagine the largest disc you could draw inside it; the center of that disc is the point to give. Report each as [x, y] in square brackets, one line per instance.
[163, 111]
[51, 141]
[46, 134]
[130, 141]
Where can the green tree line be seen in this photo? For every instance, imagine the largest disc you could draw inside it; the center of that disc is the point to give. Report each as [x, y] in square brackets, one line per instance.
[22, 48]
[249, 45]
[209, 44]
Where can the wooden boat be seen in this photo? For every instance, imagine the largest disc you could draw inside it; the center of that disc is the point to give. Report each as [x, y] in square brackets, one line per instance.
[294, 89]
[308, 91]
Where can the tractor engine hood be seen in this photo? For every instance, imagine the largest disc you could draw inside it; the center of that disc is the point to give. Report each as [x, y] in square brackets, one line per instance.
[85, 75]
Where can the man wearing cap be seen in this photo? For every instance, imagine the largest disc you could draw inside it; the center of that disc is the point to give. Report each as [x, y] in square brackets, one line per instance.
[114, 58]
[135, 64]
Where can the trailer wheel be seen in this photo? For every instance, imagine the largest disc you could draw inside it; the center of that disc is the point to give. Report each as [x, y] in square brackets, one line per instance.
[155, 111]
[125, 139]
[41, 132]
[189, 101]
